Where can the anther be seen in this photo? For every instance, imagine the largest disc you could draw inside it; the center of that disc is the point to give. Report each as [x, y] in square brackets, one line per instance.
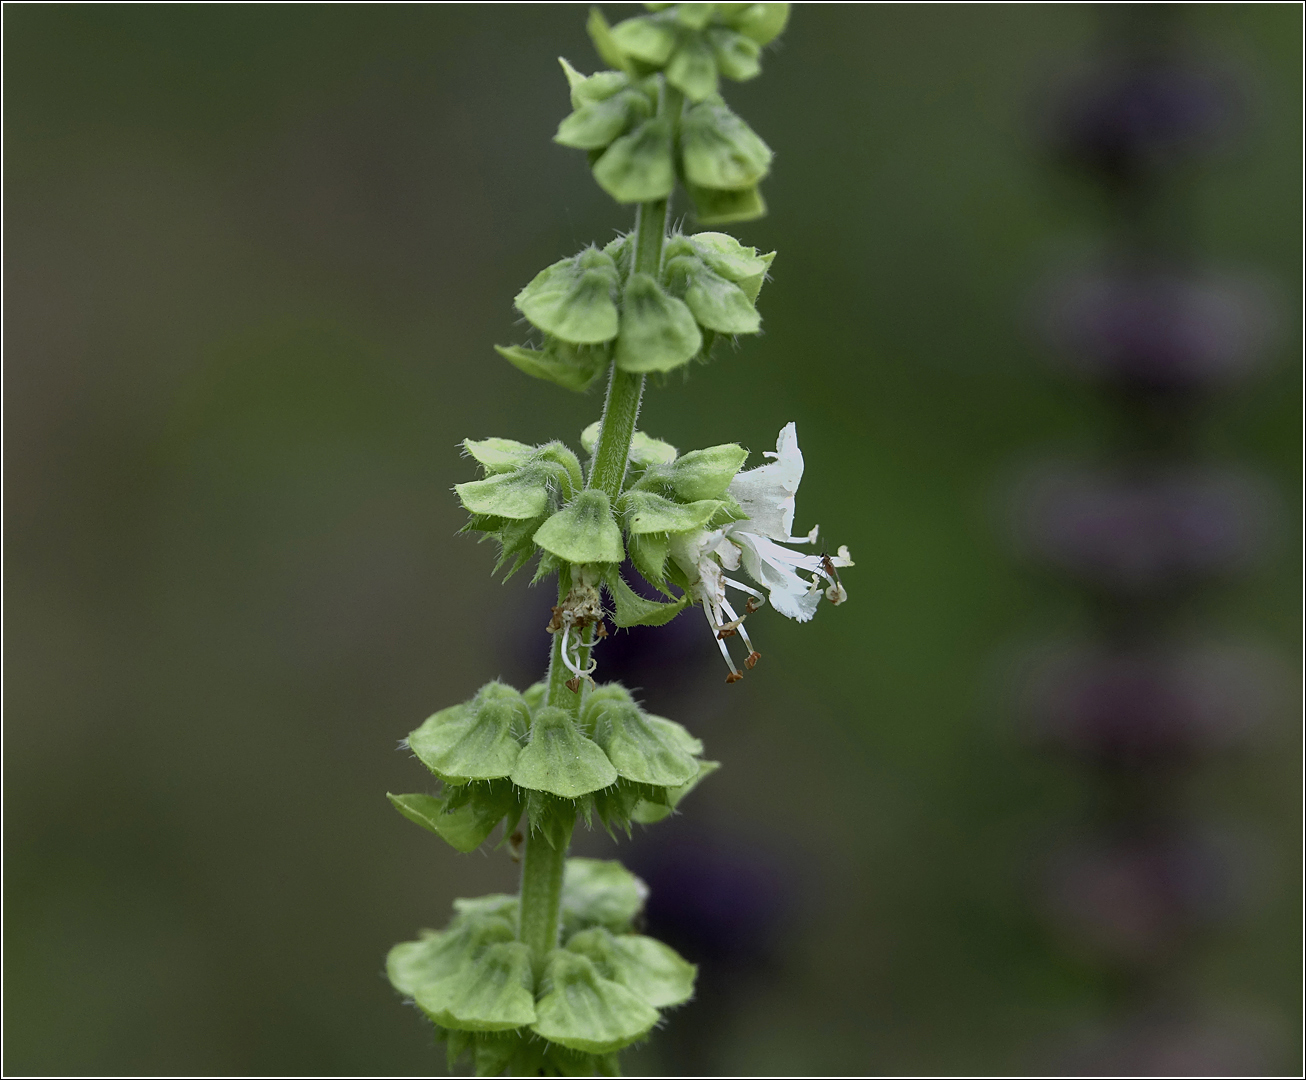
[751, 660]
[734, 676]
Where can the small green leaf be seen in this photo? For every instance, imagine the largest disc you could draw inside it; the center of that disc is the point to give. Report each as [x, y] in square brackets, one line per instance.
[638, 167]
[645, 512]
[492, 1052]
[648, 554]
[600, 892]
[583, 532]
[560, 760]
[594, 126]
[653, 972]
[693, 70]
[644, 39]
[573, 367]
[604, 43]
[635, 610]
[753, 285]
[574, 299]
[498, 455]
[557, 453]
[574, 79]
[516, 495]
[694, 16]
[412, 965]
[719, 150]
[761, 22]
[738, 57]
[644, 449]
[716, 207]
[638, 750]
[658, 332]
[720, 305]
[535, 695]
[677, 733]
[727, 256]
[477, 740]
[495, 992]
[464, 828]
[495, 905]
[649, 813]
[588, 89]
[582, 1010]
[697, 475]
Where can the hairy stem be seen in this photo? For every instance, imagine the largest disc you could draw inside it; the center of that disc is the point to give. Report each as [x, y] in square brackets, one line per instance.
[621, 407]
[541, 896]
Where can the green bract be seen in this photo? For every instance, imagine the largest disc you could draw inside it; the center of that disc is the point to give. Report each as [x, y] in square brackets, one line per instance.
[524, 485]
[479, 740]
[691, 43]
[658, 332]
[638, 148]
[560, 760]
[598, 991]
[583, 532]
[503, 754]
[574, 299]
[707, 285]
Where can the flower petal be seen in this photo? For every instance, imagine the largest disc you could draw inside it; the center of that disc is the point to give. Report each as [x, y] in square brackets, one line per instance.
[766, 493]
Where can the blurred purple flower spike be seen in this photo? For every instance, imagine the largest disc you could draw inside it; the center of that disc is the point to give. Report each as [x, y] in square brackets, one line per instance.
[1184, 1041]
[1136, 118]
[1140, 532]
[1160, 331]
[1137, 706]
[1135, 898]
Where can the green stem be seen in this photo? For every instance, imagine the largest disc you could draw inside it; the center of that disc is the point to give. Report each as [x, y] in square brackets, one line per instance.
[625, 389]
[543, 864]
[541, 896]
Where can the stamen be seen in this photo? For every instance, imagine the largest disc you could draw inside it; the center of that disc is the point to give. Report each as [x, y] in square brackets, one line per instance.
[734, 675]
[739, 624]
[743, 588]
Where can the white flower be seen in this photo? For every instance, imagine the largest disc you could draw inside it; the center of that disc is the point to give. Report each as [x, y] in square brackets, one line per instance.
[766, 494]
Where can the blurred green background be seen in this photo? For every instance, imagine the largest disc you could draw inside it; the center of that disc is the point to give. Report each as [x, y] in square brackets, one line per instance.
[256, 257]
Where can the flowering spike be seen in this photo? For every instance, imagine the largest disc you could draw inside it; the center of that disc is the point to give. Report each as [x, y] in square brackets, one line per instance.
[553, 981]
